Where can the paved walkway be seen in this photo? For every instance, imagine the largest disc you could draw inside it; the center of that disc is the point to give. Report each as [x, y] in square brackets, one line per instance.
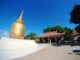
[52, 53]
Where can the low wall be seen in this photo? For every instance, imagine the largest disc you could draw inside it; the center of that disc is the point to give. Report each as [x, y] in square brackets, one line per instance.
[9, 43]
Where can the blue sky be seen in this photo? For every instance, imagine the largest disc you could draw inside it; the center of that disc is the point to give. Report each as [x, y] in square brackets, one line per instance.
[38, 14]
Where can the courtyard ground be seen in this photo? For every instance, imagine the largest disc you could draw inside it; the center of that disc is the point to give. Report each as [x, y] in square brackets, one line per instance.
[52, 53]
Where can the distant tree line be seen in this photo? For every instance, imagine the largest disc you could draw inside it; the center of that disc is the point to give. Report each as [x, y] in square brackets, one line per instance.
[67, 31]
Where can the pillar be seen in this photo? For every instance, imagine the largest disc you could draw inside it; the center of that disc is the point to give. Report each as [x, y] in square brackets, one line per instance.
[49, 40]
[55, 39]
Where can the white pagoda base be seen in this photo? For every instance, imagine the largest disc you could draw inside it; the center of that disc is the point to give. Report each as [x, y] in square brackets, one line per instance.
[9, 43]
[16, 48]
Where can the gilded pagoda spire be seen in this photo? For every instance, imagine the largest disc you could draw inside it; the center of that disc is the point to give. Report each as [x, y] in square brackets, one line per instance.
[17, 28]
[20, 17]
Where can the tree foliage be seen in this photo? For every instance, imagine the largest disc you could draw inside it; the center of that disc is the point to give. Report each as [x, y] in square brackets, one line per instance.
[48, 29]
[75, 17]
[57, 28]
[53, 28]
[68, 31]
[31, 36]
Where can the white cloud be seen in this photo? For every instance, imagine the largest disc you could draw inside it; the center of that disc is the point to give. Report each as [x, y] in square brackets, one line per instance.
[4, 33]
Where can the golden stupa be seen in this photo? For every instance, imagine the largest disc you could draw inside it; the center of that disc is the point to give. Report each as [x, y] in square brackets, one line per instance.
[17, 28]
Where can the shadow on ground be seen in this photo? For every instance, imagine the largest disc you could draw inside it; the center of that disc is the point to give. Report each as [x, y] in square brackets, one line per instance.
[56, 44]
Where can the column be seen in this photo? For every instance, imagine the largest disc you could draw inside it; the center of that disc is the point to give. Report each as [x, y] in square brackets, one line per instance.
[49, 40]
[56, 39]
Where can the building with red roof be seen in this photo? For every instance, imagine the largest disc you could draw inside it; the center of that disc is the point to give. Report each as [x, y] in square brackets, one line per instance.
[51, 37]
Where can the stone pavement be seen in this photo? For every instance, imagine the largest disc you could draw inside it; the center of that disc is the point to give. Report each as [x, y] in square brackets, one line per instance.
[52, 53]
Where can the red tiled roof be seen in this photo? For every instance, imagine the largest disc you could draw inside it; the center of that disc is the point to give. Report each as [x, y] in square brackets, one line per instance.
[51, 34]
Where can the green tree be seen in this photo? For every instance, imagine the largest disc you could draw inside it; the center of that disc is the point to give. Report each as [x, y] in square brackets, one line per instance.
[48, 29]
[31, 36]
[53, 28]
[75, 17]
[57, 28]
[68, 33]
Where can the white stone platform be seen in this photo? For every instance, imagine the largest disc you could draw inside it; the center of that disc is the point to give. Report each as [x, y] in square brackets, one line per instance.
[14, 48]
[9, 43]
